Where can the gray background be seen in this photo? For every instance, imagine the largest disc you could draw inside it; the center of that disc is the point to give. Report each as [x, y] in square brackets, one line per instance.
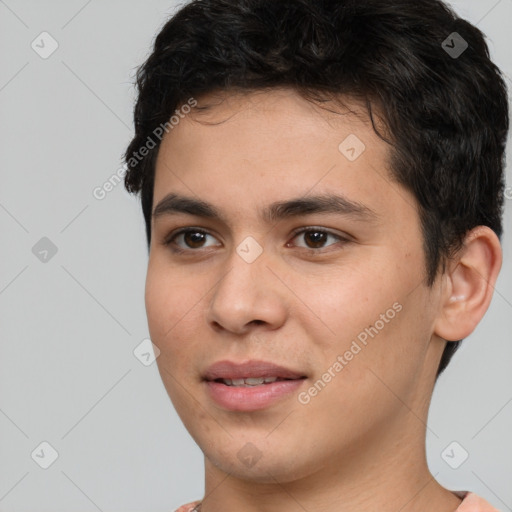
[69, 326]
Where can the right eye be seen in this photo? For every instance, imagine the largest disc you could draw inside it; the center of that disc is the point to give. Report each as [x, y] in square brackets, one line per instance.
[193, 238]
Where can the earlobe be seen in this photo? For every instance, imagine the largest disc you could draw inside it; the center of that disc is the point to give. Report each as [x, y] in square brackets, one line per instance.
[470, 277]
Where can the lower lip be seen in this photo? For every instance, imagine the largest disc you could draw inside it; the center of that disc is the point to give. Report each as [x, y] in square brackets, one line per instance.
[251, 398]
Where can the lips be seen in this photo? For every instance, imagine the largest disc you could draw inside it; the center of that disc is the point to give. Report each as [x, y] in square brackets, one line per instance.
[249, 373]
[251, 386]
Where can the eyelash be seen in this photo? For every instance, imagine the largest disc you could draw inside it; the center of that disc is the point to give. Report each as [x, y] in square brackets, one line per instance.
[169, 240]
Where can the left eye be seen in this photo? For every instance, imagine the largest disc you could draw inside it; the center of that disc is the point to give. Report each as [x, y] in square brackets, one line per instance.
[316, 237]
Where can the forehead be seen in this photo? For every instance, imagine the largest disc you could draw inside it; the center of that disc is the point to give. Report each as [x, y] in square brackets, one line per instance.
[275, 145]
[257, 118]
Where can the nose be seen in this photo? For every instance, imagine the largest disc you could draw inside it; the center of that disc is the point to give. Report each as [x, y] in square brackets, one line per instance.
[247, 294]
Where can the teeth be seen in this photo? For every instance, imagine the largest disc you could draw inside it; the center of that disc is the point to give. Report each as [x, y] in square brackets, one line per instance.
[254, 381]
[251, 381]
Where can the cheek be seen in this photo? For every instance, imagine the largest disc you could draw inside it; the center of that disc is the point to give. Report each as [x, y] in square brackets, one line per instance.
[370, 315]
[341, 302]
[169, 301]
[383, 353]
[170, 315]
[157, 304]
[357, 383]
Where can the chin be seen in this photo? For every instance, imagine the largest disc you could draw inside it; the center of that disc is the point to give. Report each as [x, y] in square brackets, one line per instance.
[264, 466]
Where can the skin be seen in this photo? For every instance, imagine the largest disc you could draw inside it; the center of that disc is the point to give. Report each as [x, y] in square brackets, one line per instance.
[359, 444]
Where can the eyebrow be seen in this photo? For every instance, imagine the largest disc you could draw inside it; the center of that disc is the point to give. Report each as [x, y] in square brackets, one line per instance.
[174, 204]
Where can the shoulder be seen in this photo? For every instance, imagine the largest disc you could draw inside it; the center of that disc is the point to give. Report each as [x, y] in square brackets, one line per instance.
[189, 507]
[473, 503]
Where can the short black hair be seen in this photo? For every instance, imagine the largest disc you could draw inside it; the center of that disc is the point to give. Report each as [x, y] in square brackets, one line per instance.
[424, 69]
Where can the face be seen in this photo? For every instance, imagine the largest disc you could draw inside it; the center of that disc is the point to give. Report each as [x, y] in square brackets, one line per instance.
[281, 248]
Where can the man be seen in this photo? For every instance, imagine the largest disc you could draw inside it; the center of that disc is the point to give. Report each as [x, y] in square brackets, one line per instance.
[322, 184]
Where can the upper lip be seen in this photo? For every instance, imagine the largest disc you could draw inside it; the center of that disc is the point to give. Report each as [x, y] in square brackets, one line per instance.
[248, 369]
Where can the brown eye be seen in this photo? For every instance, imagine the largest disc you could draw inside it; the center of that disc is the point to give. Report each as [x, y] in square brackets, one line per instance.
[194, 239]
[187, 239]
[315, 238]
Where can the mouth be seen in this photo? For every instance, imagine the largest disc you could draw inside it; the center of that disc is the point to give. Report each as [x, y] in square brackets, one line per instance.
[249, 373]
[252, 381]
[250, 385]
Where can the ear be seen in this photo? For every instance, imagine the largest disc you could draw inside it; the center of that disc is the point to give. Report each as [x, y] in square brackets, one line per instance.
[469, 284]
